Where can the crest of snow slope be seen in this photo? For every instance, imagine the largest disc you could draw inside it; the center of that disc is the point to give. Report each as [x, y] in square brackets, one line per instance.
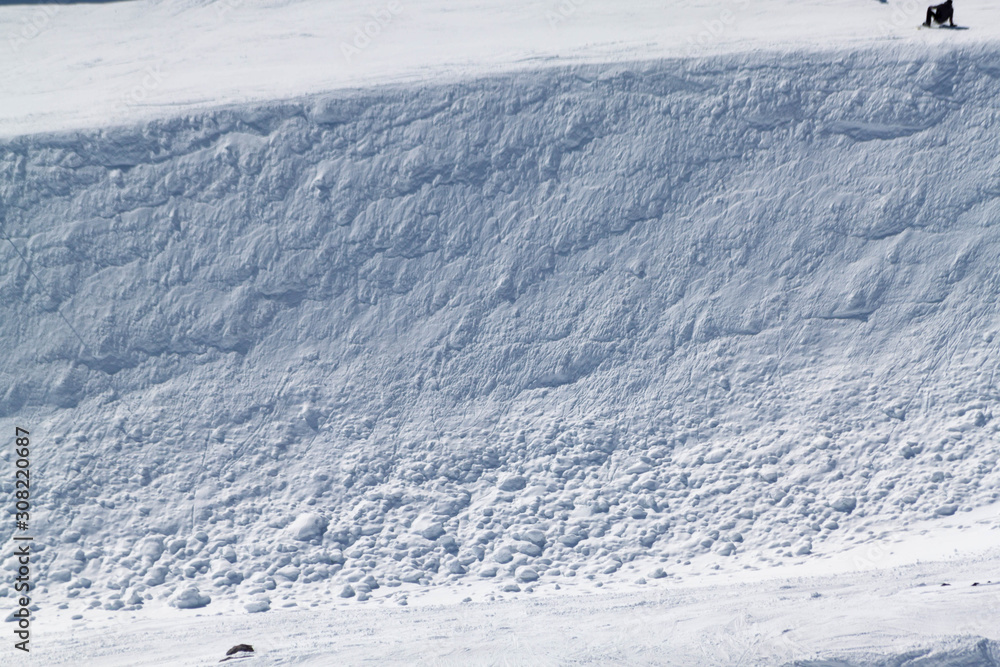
[82, 66]
[529, 328]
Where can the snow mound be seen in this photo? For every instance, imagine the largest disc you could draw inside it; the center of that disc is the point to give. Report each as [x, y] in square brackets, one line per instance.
[574, 324]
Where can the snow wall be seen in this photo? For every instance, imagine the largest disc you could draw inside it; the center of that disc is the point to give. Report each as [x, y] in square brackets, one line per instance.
[584, 321]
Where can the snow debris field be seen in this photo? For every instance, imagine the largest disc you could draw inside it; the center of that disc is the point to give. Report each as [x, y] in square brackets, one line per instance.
[557, 330]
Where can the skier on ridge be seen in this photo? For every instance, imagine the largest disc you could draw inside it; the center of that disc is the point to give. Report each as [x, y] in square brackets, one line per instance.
[940, 14]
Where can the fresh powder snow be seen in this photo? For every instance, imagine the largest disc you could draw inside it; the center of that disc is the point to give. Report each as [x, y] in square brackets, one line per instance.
[504, 333]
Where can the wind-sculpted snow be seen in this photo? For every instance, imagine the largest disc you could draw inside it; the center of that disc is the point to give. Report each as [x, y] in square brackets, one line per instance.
[585, 323]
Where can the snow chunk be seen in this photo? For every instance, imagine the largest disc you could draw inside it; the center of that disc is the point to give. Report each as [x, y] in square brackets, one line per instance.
[308, 527]
[155, 576]
[527, 575]
[151, 548]
[428, 528]
[433, 531]
[716, 455]
[257, 606]
[528, 549]
[845, 504]
[638, 468]
[513, 483]
[534, 536]
[190, 598]
[503, 555]
[571, 539]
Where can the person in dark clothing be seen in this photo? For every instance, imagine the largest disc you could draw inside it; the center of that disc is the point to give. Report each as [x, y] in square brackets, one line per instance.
[940, 14]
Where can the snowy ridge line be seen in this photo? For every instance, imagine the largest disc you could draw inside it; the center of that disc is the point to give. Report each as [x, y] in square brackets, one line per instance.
[272, 50]
[567, 327]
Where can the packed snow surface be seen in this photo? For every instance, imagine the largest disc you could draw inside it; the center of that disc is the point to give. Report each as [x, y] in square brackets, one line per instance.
[596, 326]
[897, 616]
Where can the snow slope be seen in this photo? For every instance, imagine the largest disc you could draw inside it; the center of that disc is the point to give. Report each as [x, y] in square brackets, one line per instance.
[493, 307]
[586, 324]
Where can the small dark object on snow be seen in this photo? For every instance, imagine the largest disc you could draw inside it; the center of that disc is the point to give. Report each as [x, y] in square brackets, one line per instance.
[946, 584]
[975, 583]
[238, 651]
[940, 13]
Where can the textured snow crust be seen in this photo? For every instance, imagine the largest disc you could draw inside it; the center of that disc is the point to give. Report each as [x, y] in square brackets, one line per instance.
[581, 324]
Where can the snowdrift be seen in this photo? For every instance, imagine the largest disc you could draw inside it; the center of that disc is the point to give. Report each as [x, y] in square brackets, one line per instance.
[572, 324]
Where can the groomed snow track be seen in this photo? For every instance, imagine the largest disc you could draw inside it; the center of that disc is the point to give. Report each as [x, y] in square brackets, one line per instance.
[532, 326]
